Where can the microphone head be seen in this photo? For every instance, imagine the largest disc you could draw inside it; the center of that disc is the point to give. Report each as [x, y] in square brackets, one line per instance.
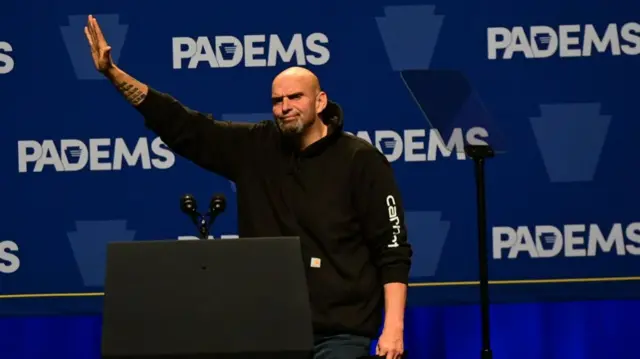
[188, 204]
[218, 203]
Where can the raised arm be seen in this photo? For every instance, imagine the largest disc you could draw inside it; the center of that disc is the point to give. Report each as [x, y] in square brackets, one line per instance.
[215, 145]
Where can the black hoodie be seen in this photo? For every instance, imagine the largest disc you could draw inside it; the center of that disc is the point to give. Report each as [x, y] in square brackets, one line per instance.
[338, 195]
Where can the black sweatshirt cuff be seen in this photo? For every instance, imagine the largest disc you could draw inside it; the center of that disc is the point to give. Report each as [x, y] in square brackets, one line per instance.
[395, 274]
[153, 107]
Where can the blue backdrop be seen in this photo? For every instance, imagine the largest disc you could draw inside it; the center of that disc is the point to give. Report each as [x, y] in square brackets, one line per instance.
[576, 330]
[547, 83]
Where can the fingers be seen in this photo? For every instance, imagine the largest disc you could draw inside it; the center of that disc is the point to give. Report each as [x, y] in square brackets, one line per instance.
[101, 40]
[90, 31]
[381, 352]
[388, 353]
[89, 39]
[98, 37]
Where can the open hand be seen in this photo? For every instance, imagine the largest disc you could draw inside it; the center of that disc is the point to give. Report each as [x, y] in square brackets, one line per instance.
[100, 50]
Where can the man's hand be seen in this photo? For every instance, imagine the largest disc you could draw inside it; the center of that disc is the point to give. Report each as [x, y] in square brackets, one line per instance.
[133, 90]
[100, 50]
[391, 343]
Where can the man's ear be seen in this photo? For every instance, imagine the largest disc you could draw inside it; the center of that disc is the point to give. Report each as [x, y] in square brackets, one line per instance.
[321, 102]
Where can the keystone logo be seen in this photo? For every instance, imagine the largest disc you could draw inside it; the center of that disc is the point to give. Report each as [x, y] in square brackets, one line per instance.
[570, 137]
[428, 236]
[89, 245]
[228, 50]
[547, 240]
[78, 48]
[410, 34]
[446, 98]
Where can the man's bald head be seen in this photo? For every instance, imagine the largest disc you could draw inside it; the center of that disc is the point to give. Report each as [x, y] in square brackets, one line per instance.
[299, 75]
[297, 100]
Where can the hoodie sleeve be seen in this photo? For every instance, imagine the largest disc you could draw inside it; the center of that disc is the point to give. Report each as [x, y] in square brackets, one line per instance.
[218, 146]
[377, 199]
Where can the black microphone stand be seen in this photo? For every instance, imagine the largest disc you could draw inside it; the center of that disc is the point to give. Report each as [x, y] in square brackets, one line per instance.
[203, 222]
[479, 153]
[203, 227]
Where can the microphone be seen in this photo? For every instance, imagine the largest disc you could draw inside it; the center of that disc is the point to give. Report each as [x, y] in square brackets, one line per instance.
[218, 204]
[189, 206]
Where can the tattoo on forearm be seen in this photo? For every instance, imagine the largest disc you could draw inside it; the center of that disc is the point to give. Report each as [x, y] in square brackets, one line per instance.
[130, 92]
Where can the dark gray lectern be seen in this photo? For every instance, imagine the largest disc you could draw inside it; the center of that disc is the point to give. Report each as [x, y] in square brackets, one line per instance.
[206, 299]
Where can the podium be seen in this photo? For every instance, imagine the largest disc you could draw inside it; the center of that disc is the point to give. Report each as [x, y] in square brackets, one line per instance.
[206, 299]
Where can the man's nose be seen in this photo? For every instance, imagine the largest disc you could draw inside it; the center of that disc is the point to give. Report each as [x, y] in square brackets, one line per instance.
[285, 105]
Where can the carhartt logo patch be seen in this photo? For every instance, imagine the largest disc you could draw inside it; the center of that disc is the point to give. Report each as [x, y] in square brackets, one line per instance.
[315, 262]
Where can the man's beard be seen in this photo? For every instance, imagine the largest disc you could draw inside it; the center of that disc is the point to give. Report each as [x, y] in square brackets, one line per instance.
[292, 127]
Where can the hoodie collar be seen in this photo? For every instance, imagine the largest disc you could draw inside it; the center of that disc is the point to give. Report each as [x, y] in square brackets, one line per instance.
[333, 117]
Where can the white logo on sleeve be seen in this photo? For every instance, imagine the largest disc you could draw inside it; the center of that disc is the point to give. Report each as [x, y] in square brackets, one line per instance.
[394, 219]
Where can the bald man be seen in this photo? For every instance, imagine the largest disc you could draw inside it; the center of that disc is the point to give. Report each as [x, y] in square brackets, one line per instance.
[297, 101]
[301, 175]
